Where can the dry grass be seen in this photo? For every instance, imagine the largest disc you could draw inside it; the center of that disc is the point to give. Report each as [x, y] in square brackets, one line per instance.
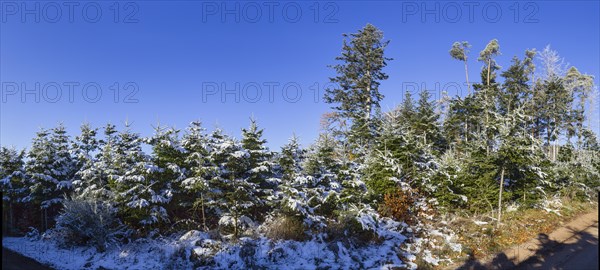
[286, 228]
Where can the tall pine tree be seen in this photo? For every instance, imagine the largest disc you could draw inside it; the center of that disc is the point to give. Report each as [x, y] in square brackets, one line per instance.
[357, 82]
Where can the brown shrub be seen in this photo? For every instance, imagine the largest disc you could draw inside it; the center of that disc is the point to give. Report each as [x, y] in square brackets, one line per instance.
[286, 228]
[399, 205]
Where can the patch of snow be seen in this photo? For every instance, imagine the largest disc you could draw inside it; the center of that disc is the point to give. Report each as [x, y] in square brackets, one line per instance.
[512, 208]
[240, 154]
[430, 259]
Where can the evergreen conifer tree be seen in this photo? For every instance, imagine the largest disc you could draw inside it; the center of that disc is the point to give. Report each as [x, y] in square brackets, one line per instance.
[14, 185]
[358, 77]
[87, 179]
[165, 172]
[201, 170]
[460, 52]
[291, 159]
[50, 169]
[140, 203]
[426, 123]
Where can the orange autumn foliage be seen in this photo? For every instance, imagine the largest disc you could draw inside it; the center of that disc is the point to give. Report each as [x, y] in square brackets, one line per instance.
[399, 205]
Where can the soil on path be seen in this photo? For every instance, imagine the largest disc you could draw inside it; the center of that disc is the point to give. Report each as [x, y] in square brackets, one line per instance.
[573, 246]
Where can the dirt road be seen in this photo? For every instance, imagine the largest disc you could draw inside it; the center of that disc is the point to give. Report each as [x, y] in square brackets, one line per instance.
[579, 251]
[573, 246]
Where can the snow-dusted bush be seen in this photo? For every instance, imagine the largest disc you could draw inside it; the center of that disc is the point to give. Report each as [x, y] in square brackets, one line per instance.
[90, 223]
[350, 228]
[551, 204]
[235, 225]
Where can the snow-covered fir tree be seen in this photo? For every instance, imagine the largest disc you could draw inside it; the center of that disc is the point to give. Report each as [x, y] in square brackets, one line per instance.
[294, 190]
[50, 169]
[87, 179]
[310, 191]
[198, 184]
[104, 170]
[140, 204]
[399, 155]
[14, 184]
[260, 168]
[12, 175]
[290, 159]
[426, 124]
[164, 174]
[322, 168]
[519, 161]
[236, 195]
[64, 166]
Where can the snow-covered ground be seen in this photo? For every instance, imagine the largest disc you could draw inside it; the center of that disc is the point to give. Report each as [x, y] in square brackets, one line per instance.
[133, 256]
[194, 250]
[397, 246]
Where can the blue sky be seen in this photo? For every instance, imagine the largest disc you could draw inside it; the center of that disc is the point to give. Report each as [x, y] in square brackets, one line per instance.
[162, 56]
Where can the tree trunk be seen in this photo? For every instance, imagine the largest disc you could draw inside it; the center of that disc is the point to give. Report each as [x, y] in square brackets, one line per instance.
[500, 197]
[235, 225]
[466, 131]
[485, 135]
[368, 103]
[43, 223]
[469, 93]
[368, 108]
[487, 120]
[467, 75]
[10, 218]
[533, 120]
[548, 142]
[4, 219]
[488, 71]
[203, 214]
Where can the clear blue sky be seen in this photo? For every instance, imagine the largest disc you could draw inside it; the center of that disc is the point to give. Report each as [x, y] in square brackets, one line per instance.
[171, 49]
